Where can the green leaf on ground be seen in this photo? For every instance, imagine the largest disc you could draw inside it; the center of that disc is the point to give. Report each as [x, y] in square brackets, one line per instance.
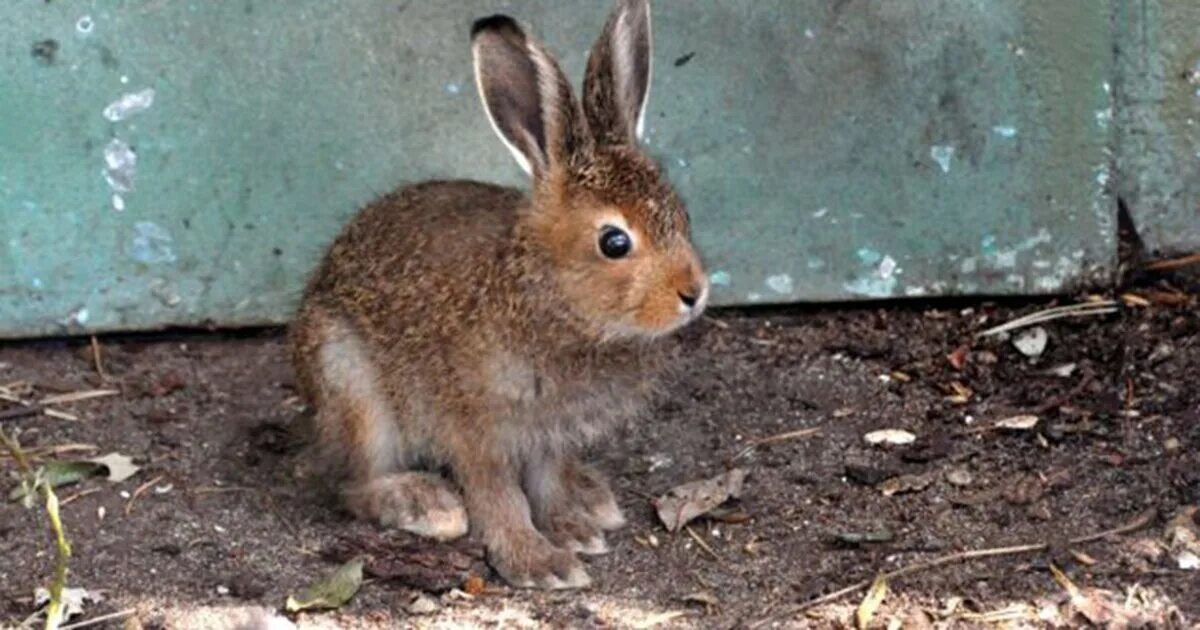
[58, 474]
[332, 592]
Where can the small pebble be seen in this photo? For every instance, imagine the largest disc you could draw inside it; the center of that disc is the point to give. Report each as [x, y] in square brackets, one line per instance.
[222, 590]
[1032, 342]
[423, 605]
[1171, 445]
[959, 477]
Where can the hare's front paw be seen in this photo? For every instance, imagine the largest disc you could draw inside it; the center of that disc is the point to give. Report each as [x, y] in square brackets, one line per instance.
[526, 559]
[421, 503]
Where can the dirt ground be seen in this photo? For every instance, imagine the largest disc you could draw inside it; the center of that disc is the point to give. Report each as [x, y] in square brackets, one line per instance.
[216, 523]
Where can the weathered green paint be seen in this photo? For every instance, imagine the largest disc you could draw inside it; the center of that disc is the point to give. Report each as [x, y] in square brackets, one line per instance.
[1158, 145]
[828, 150]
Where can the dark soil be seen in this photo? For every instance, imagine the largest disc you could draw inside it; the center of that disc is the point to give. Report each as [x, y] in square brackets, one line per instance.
[227, 526]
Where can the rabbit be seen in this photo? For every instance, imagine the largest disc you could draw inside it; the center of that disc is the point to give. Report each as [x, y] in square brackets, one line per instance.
[461, 342]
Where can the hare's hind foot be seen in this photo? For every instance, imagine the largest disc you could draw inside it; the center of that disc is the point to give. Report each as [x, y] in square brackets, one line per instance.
[572, 504]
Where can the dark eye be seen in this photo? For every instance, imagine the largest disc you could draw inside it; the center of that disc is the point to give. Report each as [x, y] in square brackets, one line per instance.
[614, 242]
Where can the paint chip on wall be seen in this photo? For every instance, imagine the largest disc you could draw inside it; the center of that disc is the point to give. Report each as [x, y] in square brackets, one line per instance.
[129, 105]
[943, 155]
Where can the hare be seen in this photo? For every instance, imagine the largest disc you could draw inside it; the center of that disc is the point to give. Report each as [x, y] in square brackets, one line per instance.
[461, 342]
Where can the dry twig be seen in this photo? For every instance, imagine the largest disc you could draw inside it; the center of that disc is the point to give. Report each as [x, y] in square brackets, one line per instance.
[1172, 264]
[1141, 521]
[120, 614]
[97, 360]
[139, 492]
[782, 437]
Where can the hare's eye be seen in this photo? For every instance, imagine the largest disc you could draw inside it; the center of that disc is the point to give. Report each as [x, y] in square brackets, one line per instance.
[614, 242]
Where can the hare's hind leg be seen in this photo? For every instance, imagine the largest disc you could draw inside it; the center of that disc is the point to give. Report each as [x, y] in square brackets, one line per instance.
[357, 430]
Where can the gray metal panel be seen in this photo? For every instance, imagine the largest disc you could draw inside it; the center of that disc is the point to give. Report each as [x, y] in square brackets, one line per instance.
[1159, 142]
[828, 150]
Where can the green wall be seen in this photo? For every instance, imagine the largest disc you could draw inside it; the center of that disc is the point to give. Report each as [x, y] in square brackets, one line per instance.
[843, 149]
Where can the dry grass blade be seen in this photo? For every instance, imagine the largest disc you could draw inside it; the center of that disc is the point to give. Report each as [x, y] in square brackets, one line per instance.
[1084, 309]
[61, 415]
[659, 619]
[1141, 521]
[86, 623]
[1174, 263]
[774, 439]
[54, 609]
[77, 496]
[70, 397]
[701, 542]
[97, 358]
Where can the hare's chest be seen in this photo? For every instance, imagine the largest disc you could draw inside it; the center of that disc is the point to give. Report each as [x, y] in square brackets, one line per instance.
[579, 400]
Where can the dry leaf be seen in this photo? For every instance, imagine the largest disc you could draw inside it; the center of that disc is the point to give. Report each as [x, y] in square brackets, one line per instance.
[120, 467]
[906, 483]
[870, 604]
[332, 592]
[73, 600]
[958, 358]
[890, 436]
[683, 503]
[1018, 423]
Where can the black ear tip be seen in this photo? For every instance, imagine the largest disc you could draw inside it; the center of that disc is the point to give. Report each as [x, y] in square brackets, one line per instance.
[498, 23]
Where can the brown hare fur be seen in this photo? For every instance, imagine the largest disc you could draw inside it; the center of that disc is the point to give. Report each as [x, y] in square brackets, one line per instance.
[466, 328]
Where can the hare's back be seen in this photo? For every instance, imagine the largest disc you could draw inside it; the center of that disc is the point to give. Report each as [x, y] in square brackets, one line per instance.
[437, 233]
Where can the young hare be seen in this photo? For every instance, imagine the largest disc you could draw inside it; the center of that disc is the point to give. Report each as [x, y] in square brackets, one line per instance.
[463, 328]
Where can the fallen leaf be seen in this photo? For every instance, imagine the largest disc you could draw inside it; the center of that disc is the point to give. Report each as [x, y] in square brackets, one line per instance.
[59, 473]
[683, 503]
[332, 592]
[1032, 342]
[120, 467]
[906, 483]
[871, 602]
[890, 436]
[959, 394]
[958, 358]
[73, 600]
[1017, 423]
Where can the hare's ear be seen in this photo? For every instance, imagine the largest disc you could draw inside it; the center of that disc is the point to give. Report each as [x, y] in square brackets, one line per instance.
[526, 95]
[618, 75]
